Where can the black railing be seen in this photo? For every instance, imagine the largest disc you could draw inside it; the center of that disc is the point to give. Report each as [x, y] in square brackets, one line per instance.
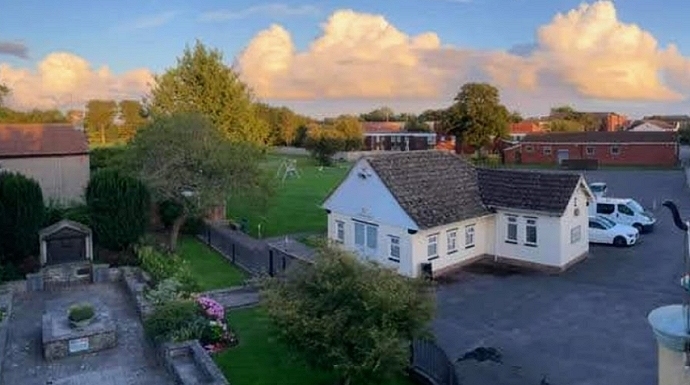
[429, 364]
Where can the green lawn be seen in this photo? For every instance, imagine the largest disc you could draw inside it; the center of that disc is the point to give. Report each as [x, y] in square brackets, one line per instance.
[294, 206]
[261, 360]
[211, 269]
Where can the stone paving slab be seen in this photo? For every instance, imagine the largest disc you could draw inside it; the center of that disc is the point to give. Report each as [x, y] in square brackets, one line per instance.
[235, 297]
[131, 362]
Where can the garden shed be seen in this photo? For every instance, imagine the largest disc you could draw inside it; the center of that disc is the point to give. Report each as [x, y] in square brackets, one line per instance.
[65, 241]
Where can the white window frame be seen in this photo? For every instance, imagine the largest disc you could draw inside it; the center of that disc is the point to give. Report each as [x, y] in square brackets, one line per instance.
[340, 231]
[432, 247]
[546, 150]
[616, 148]
[589, 150]
[529, 148]
[511, 221]
[393, 245]
[531, 222]
[430, 140]
[452, 240]
[469, 236]
[575, 234]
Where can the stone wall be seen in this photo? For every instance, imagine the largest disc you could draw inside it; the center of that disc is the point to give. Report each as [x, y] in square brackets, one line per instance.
[190, 364]
[136, 282]
[70, 274]
[6, 307]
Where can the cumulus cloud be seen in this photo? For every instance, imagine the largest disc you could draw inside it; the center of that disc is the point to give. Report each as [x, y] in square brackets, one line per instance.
[587, 50]
[14, 48]
[62, 78]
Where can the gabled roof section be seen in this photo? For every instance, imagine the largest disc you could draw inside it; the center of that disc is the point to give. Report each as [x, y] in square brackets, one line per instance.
[433, 187]
[63, 224]
[527, 190]
[32, 140]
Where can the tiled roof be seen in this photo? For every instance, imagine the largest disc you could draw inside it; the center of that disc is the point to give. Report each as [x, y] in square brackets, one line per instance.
[602, 137]
[659, 123]
[527, 190]
[29, 140]
[434, 187]
[380, 127]
[523, 127]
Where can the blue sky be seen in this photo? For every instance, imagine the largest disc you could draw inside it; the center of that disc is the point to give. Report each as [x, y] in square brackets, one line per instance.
[127, 34]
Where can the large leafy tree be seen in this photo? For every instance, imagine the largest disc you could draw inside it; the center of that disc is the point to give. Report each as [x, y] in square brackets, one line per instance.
[4, 91]
[99, 120]
[382, 114]
[565, 125]
[202, 83]
[353, 318]
[477, 114]
[131, 114]
[186, 161]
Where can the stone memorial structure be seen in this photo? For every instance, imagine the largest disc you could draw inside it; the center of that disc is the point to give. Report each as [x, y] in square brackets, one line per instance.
[61, 338]
[66, 256]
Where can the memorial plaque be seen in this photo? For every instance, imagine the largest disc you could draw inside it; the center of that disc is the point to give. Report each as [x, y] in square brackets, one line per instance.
[78, 345]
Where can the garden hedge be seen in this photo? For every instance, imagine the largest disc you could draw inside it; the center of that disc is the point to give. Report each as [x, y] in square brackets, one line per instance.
[21, 217]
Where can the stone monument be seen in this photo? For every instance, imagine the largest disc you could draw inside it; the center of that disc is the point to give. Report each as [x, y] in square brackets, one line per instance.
[671, 323]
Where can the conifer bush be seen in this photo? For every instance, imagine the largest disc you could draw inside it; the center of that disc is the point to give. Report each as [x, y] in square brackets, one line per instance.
[119, 209]
[21, 217]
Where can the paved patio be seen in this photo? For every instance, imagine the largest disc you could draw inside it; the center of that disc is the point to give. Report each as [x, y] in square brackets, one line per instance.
[586, 326]
[131, 363]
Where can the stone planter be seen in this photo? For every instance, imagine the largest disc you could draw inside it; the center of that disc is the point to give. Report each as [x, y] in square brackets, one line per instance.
[81, 324]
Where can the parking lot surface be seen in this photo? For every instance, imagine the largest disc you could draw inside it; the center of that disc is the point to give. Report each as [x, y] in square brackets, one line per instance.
[585, 326]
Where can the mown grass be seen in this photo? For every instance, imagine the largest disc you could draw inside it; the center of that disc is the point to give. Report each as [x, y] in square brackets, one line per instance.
[211, 269]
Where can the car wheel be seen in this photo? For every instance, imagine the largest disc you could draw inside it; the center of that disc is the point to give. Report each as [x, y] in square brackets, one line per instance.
[619, 242]
[639, 227]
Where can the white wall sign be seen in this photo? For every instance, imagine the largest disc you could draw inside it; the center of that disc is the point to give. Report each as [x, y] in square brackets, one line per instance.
[78, 345]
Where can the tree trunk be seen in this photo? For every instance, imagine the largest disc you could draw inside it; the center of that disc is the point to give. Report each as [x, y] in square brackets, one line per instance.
[102, 134]
[175, 230]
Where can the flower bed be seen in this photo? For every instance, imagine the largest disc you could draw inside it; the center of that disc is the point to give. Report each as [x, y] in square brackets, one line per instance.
[218, 335]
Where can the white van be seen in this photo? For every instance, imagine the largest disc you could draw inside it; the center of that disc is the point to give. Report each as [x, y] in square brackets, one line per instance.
[625, 211]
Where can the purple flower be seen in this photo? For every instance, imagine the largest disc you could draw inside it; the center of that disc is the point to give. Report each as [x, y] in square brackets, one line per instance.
[211, 308]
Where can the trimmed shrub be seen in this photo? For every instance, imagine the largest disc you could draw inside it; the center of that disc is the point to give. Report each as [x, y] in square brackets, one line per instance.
[165, 265]
[78, 313]
[107, 157]
[168, 319]
[119, 208]
[168, 212]
[55, 213]
[21, 217]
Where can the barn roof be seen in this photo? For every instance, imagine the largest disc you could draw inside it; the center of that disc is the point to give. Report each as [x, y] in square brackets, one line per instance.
[33, 140]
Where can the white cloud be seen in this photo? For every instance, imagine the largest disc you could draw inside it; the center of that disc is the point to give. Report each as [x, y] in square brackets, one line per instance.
[273, 10]
[150, 21]
[63, 79]
[587, 50]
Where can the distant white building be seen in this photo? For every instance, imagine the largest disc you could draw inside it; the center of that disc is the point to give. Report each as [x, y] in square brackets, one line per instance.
[653, 125]
[430, 210]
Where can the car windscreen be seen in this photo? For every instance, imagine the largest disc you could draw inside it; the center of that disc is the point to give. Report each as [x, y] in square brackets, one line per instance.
[607, 223]
[636, 207]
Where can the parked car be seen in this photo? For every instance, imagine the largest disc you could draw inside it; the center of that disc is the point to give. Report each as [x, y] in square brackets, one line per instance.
[624, 211]
[604, 230]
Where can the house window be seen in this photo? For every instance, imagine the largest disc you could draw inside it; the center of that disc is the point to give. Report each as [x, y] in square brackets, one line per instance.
[589, 150]
[531, 232]
[340, 231]
[547, 150]
[431, 140]
[575, 234]
[394, 252]
[615, 150]
[452, 239]
[512, 230]
[469, 236]
[366, 236]
[432, 247]
[529, 149]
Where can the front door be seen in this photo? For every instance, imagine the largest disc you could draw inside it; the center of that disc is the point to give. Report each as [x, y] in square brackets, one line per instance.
[366, 240]
[563, 155]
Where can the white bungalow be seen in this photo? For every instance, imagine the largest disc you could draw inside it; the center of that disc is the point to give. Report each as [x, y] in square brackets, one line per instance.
[421, 210]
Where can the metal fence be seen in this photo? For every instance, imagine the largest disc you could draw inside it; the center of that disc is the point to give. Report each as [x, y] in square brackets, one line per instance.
[254, 256]
[430, 364]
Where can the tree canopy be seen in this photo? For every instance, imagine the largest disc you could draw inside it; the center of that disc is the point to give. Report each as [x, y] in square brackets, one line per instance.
[478, 114]
[184, 159]
[583, 120]
[344, 315]
[284, 124]
[131, 118]
[202, 83]
[99, 121]
[4, 91]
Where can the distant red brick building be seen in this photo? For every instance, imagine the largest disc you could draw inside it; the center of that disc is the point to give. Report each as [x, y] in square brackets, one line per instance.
[609, 121]
[651, 148]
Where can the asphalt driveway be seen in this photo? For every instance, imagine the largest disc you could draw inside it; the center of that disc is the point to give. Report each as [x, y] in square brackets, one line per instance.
[585, 326]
